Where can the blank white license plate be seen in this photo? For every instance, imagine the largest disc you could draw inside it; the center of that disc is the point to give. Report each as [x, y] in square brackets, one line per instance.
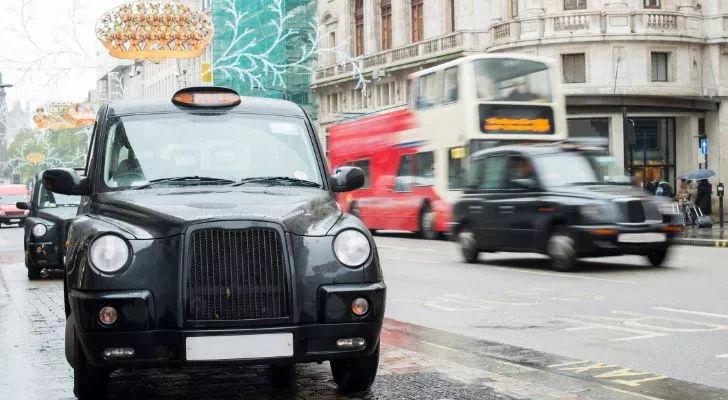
[652, 237]
[14, 220]
[237, 347]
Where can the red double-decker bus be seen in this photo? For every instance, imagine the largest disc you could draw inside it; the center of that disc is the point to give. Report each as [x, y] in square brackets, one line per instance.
[414, 156]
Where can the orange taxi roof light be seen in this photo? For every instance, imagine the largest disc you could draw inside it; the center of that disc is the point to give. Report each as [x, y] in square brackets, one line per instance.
[206, 97]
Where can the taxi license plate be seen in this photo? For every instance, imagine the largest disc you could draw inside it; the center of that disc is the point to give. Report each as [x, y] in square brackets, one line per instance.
[652, 237]
[13, 221]
[237, 347]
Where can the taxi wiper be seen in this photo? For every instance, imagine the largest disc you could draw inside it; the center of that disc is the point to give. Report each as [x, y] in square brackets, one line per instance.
[195, 178]
[301, 182]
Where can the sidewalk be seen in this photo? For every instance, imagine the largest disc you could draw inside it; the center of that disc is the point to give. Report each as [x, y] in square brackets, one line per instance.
[711, 237]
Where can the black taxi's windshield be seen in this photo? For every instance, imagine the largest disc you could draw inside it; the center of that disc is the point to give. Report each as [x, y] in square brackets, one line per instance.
[184, 149]
[567, 169]
[503, 79]
[48, 199]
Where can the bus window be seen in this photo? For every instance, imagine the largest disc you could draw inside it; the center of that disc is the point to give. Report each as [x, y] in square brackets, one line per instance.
[403, 181]
[451, 85]
[425, 169]
[428, 91]
[455, 168]
[365, 166]
[512, 80]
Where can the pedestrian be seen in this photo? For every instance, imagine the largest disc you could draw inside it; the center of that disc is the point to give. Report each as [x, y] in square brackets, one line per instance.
[683, 196]
[665, 190]
[704, 197]
[650, 184]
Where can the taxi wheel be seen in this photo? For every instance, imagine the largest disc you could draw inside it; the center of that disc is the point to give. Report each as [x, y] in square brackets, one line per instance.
[466, 239]
[88, 382]
[33, 270]
[427, 223]
[562, 251]
[66, 305]
[355, 374]
[657, 258]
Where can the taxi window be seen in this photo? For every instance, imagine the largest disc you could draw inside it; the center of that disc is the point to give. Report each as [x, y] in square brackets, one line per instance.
[226, 146]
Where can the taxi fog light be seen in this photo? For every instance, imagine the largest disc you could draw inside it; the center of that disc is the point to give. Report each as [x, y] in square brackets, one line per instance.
[359, 306]
[108, 316]
[350, 343]
[119, 352]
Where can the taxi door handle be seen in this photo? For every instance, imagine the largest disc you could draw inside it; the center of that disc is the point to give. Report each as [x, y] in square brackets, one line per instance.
[475, 208]
[506, 209]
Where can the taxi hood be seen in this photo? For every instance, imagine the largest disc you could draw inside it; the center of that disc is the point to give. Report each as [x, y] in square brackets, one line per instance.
[154, 213]
[602, 191]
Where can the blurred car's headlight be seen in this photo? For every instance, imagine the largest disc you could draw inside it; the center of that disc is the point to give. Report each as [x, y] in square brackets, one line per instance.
[109, 253]
[352, 248]
[39, 230]
[600, 213]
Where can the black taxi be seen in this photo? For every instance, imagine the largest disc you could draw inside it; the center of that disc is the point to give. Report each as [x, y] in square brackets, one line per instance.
[208, 233]
[49, 215]
[560, 200]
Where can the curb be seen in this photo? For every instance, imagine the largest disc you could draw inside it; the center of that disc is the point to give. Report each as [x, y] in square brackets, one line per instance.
[702, 242]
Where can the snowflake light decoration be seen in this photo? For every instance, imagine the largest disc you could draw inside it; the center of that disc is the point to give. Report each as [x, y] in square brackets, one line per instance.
[154, 30]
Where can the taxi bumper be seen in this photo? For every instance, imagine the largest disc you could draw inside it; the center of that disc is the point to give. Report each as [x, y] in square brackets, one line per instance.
[45, 254]
[608, 240]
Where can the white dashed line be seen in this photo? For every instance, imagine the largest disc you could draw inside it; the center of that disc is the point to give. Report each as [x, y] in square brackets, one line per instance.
[437, 345]
[680, 310]
[566, 275]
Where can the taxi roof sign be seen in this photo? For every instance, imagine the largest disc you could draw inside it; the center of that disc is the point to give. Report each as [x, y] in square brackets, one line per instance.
[206, 97]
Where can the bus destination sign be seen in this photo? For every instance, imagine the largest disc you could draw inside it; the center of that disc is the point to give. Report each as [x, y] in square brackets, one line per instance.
[516, 119]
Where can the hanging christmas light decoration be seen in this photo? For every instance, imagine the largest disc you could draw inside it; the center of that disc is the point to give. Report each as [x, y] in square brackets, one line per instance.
[154, 30]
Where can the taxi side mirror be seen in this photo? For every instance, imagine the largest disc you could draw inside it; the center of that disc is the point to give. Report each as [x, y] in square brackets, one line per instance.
[346, 179]
[22, 205]
[65, 181]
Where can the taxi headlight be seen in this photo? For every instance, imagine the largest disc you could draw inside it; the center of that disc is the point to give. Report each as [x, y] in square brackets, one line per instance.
[109, 253]
[352, 248]
[39, 230]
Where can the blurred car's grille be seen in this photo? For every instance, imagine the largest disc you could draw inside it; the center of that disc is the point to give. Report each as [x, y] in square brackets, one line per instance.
[237, 274]
[635, 211]
[15, 213]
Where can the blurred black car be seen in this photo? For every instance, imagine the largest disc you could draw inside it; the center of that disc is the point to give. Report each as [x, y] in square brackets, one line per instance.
[46, 225]
[557, 200]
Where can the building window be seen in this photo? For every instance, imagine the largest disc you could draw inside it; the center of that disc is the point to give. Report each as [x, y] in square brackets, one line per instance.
[575, 5]
[417, 20]
[450, 16]
[359, 26]
[332, 45]
[574, 66]
[588, 127]
[514, 8]
[652, 4]
[659, 67]
[386, 24]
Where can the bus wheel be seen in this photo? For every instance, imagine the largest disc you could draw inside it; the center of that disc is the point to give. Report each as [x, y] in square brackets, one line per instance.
[427, 223]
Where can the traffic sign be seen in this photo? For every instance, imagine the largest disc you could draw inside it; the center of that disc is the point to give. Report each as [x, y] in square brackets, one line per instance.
[704, 146]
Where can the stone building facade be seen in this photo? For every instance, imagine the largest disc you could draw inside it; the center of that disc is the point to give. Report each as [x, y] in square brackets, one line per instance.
[661, 63]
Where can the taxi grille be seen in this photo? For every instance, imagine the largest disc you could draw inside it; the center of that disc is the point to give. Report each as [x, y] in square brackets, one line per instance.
[237, 274]
[635, 211]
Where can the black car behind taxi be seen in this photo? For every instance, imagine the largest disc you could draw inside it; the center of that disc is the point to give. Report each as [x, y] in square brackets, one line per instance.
[49, 215]
[555, 199]
[208, 233]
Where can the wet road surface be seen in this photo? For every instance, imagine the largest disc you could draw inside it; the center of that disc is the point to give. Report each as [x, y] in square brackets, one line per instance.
[446, 357]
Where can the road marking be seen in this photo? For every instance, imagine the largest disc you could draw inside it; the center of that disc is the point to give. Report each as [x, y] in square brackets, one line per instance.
[410, 260]
[616, 374]
[384, 246]
[680, 310]
[568, 363]
[640, 333]
[439, 303]
[639, 322]
[722, 355]
[440, 346]
[642, 396]
[572, 276]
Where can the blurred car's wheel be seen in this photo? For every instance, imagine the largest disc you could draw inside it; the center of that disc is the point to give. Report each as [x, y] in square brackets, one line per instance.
[561, 249]
[466, 240]
[657, 258]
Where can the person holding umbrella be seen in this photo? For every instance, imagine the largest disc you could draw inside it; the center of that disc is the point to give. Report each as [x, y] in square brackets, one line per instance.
[703, 199]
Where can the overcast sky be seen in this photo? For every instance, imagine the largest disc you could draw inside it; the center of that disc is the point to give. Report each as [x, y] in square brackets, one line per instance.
[51, 28]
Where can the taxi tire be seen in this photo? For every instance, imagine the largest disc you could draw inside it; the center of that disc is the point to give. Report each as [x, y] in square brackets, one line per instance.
[466, 241]
[355, 374]
[88, 382]
[33, 270]
[66, 304]
[657, 258]
[562, 251]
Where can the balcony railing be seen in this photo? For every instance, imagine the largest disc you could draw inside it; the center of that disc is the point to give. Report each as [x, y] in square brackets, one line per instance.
[450, 43]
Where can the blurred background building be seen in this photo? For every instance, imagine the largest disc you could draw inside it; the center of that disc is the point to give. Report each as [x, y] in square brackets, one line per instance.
[662, 63]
